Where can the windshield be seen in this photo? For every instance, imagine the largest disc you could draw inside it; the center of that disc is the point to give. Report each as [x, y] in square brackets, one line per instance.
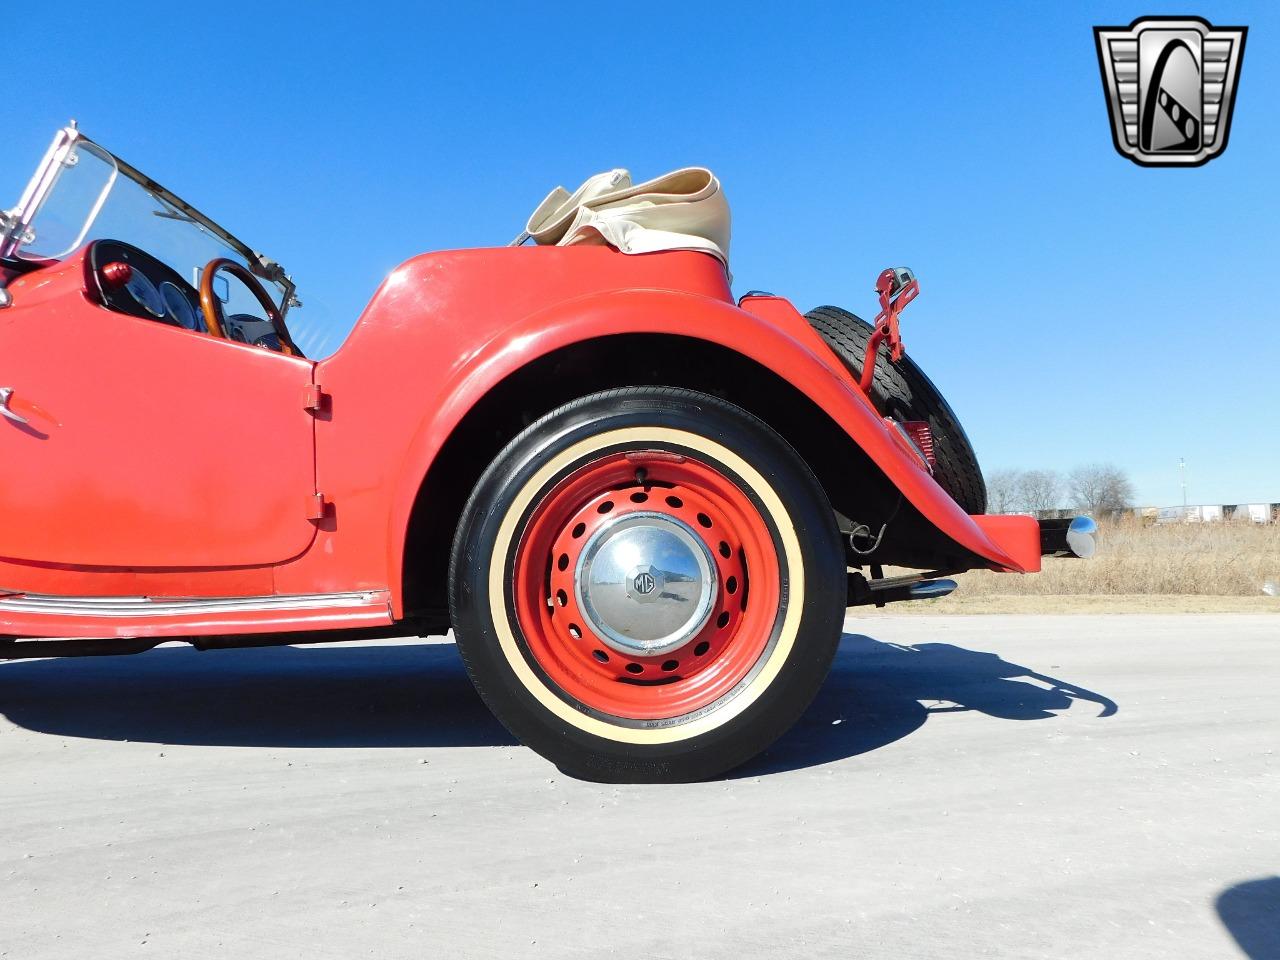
[83, 193]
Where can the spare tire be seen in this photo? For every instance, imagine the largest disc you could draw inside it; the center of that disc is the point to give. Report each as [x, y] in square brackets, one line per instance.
[902, 391]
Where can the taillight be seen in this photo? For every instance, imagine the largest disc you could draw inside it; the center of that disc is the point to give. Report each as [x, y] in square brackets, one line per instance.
[922, 437]
[915, 437]
[116, 274]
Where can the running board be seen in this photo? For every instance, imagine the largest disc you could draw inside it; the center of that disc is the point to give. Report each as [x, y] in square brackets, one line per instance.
[45, 615]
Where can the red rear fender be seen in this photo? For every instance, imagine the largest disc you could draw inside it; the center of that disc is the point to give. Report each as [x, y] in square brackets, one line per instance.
[448, 328]
[771, 332]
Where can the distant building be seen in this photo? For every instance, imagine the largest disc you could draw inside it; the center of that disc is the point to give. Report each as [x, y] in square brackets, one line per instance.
[1214, 513]
[1195, 513]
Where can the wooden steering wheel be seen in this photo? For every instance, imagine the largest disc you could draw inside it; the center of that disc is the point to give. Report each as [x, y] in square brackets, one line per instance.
[212, 308]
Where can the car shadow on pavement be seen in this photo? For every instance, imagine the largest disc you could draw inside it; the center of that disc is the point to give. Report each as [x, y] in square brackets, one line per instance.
[411, 695]
[880, 692]
[389, 695]
[1251, 913]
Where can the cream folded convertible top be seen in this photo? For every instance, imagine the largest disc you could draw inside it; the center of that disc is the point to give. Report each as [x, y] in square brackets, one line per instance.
[682, 210]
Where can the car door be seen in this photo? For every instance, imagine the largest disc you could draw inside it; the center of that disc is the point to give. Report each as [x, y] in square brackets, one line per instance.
[147, 445]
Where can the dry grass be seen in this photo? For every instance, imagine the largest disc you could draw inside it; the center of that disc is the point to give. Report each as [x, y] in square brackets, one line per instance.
[1172, 568]
[1213, 559]
[1163, 603]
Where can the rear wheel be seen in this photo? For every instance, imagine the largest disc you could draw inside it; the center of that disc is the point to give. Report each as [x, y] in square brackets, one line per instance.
[647, 585]
[902, 391]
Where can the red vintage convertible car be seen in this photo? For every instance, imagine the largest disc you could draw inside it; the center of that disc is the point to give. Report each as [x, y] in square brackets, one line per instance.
[642, 507]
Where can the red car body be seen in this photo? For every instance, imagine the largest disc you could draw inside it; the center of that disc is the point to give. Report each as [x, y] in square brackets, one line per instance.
[642, 508]
[159, 481]
[226, 489]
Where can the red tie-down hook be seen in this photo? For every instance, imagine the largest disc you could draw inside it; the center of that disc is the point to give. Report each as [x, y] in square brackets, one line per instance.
[897, 287]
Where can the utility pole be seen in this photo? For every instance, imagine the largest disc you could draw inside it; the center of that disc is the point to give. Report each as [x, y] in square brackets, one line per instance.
[1182, 475]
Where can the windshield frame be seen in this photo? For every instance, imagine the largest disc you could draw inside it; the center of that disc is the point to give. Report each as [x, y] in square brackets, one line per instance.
[15, 224]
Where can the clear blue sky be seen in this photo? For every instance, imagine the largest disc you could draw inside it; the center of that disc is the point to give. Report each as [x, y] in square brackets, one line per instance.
[1075, 307]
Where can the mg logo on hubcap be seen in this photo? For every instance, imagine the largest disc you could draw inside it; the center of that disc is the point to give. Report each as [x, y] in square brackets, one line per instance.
[646, 584]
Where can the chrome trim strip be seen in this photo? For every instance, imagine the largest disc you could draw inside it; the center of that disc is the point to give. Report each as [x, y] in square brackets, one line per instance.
[146, 607]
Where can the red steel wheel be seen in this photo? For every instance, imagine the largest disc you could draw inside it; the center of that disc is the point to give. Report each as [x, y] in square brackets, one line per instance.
[646, 585]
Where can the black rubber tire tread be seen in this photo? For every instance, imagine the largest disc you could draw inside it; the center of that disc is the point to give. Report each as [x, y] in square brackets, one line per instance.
[902, 391]
[583, 754]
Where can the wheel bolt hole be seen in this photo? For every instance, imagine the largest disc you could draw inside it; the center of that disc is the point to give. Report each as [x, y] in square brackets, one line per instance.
[581, 528]
[675, 503]
[669, 665]
[600, 655]
[725, 551]
[563, 562]
[562, 598]
[605, 507]
[704, 520]
[701, 648]
[722, 621]
[639, 497]
[634, 668]
[731, 585]
[575, 631]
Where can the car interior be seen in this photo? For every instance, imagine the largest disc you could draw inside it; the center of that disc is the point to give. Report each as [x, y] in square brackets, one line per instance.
[131, 281]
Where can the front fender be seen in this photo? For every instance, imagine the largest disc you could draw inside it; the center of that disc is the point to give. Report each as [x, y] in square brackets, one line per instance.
[770, 332]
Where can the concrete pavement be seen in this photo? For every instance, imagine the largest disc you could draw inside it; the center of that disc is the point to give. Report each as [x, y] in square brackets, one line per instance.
[1013, 786]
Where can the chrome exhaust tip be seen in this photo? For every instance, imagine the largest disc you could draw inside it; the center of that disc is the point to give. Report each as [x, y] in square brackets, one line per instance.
[864, 592]
[931, 589]
[1074, 537]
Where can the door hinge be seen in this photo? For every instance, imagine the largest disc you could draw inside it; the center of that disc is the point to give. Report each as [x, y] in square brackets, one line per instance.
[313, 398]
[317, 506]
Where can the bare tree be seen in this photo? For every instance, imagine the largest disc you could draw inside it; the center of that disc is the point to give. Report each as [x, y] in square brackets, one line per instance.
[1040, 490]
[1003, 492]
[1100, 489]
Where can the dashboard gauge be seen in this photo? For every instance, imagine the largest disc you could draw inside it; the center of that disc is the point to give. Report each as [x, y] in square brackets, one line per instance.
[178, 307]
[145, 293]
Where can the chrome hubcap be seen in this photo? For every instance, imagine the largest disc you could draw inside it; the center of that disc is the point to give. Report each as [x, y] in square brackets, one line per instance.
[645, 583]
